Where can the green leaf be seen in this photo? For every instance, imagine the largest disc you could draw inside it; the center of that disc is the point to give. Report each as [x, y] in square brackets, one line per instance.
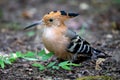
[41, 67]
[29, 54]
[7, 61]
[41, 53]
[66, 67]
[19, 54]
[51, 64]
[31, 33]
[30, 59]
[73, 64]
[63, 63]
[36, 64]
[2, 65]
[12, 57]
[47, 56]
[55, 67]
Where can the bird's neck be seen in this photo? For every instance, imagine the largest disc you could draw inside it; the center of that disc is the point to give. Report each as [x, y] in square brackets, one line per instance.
[53, 31]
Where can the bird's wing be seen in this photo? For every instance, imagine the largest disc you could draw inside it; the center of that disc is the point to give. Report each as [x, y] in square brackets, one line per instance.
[74, 37]
[81, 48]
[77, 44]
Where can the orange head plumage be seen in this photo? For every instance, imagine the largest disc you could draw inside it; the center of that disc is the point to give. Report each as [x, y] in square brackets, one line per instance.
[54, 18]
[57, 17]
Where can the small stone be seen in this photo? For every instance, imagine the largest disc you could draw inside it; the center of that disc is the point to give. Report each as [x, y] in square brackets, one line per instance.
[109, 36]
[28, 14]
[83, 6]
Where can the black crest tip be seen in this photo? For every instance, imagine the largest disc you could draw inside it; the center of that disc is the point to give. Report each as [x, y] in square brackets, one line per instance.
[63, 13]
[73, 14]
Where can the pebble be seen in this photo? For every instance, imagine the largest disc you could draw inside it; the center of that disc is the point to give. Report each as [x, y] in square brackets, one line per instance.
[84, 6]
[109, 36]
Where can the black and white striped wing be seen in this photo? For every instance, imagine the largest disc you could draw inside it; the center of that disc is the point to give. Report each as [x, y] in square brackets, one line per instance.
[79, 46]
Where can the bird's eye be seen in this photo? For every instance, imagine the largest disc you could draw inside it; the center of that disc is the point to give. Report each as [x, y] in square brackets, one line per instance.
[51, 20]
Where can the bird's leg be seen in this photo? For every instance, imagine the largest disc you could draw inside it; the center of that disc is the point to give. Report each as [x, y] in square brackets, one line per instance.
[74, 57]
[52, 59]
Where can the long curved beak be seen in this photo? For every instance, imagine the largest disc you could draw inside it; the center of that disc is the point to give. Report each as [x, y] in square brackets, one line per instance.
[34, 24]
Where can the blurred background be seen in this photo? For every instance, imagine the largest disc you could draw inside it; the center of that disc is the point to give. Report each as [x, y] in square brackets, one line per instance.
[93, 12]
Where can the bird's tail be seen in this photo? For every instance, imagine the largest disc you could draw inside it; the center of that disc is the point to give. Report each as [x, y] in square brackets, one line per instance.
[98, 54]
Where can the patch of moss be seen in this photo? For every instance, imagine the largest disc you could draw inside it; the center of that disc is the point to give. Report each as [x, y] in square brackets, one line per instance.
[1, 13]
[95, 78]
[13, 26]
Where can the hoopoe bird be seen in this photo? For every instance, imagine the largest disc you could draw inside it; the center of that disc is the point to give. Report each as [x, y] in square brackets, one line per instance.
[62, 41]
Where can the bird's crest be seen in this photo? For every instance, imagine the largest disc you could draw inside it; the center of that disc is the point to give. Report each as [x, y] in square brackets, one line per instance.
[61, 15]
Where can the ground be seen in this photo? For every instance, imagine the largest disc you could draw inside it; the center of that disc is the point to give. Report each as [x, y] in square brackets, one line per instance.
[102, 30]
[12, 41]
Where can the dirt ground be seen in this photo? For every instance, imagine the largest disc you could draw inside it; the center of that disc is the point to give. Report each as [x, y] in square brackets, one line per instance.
[12, 41]
[102, 30]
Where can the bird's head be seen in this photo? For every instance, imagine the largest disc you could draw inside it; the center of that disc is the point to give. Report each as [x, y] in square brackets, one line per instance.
[54, 18]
